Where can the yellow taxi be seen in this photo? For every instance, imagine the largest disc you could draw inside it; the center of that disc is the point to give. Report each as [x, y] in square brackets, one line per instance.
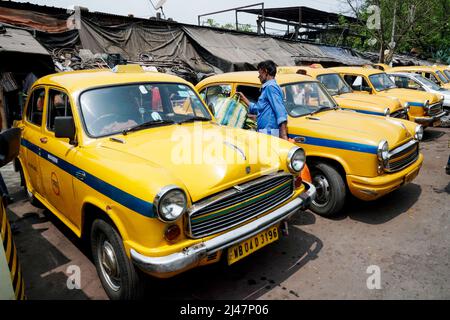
[347, 98]
[347, 152]
[424, 108]
[134, 162]
[431, 73]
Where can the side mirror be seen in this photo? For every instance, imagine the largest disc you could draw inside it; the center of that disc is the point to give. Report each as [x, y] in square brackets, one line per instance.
[65, 128]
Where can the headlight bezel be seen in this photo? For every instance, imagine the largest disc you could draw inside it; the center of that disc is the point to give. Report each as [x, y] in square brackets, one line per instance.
[387, 112]
[295, 151]
[418, 133]
[383, 153]
[159, 200]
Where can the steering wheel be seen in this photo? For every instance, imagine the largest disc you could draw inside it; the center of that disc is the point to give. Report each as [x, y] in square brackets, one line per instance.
[104, 120]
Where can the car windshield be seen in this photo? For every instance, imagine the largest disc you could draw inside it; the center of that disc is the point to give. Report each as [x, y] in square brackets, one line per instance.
[334, 84]
[381, 82]
[447, 73]
[442, 77]
[306, 98]
[428, 83]
[111, 110]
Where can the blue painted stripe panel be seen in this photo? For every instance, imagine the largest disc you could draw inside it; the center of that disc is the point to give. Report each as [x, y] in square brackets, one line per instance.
[416, 104]
[367, 112]
[124, 198]
[357, 147]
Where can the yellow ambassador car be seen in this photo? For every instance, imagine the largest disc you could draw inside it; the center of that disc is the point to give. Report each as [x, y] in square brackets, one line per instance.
[347, 98]
[347, 152]
[424, 108]
[107, 152]
[432, 73]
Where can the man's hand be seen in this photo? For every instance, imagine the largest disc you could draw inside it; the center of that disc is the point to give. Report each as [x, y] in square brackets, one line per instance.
[283, 131]
[243, 98]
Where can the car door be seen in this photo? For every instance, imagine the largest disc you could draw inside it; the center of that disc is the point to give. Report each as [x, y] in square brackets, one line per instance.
[57, 155]
[31, 135]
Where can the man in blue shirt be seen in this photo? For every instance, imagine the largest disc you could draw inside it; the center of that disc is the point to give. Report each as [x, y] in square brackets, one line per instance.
[270, 110]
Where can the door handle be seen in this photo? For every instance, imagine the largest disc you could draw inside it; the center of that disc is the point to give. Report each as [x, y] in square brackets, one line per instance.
[43, 140]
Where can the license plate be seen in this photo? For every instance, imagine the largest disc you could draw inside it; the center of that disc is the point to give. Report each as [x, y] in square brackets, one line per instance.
[411, 176]
[437, 123]
[247, 247]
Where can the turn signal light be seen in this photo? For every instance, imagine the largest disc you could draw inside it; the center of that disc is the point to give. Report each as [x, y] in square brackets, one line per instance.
[172, 233]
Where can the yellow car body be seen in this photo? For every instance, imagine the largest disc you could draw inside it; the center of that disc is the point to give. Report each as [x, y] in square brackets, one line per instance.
[122, 177]
[350, 100]
[345, 140]
[424, 108]
[434, 74]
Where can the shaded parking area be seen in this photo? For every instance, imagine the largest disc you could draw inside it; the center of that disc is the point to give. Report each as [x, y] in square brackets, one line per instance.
[405, 234]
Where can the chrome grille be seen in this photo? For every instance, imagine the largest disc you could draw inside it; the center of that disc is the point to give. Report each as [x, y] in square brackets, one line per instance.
[237, 205]
[434, 109]
[400, 114]
[403, 156]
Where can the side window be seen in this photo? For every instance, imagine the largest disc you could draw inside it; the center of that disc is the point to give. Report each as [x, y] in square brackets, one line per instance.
[252, 93]
[58, 106]
[358, 83]
[213, 93]
[36, 106]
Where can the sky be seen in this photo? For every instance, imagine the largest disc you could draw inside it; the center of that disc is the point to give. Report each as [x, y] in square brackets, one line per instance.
[186, 11]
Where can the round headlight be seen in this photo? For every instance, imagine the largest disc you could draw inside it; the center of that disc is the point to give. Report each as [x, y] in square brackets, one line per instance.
[296, 159]
[406, 105]
[383, 151]
[427, 104]
[170, 203]
[419, 133]
[387, 112]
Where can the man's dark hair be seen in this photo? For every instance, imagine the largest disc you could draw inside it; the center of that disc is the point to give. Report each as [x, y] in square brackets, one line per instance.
[269, 66]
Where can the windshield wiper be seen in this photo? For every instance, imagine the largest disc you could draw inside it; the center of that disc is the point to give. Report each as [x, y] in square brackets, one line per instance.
[192, 119]
[147, 124]
[321, 108]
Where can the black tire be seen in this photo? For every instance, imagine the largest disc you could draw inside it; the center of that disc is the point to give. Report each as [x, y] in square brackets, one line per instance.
[126, 282]
[31, 198]
[331, 190]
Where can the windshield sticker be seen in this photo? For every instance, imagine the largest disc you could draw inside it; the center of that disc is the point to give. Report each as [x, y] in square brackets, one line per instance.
[143, 90]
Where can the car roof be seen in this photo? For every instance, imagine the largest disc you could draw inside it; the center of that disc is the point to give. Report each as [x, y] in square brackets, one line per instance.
[74, 81]
[357, 70]
[313, 72]
[251, 77]
[415, 68]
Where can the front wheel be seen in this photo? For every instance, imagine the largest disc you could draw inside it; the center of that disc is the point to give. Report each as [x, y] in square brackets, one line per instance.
[119, 277]
[331, 191]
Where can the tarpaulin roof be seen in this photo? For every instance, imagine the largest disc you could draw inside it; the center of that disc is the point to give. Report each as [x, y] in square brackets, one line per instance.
[19, 51]
[231, 52]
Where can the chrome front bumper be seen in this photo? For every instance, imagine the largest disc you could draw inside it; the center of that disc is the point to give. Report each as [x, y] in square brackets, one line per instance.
[191, 256]
[429, 120]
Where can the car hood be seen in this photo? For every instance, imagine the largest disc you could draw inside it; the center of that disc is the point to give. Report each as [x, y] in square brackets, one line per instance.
[368, 102]
[408, 95]
[349, 126]
[206, 158]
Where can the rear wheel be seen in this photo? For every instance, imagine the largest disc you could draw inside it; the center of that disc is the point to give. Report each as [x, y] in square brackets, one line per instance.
[120, 279]
[331, 191]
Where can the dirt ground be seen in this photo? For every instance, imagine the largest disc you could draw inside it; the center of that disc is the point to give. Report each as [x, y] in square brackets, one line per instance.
[405, 234]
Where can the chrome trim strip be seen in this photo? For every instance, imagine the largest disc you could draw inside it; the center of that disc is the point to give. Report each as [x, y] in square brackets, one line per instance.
[402, 148]
[224, 194]
[191, 256]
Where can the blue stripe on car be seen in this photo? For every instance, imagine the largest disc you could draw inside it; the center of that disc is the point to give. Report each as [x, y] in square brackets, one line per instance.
[358, 147]
[415, 104]
[366, 112]
[124, 198]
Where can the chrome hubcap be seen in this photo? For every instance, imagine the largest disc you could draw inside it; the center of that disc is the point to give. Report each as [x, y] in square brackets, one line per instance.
[108, 265]
[323, 190]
